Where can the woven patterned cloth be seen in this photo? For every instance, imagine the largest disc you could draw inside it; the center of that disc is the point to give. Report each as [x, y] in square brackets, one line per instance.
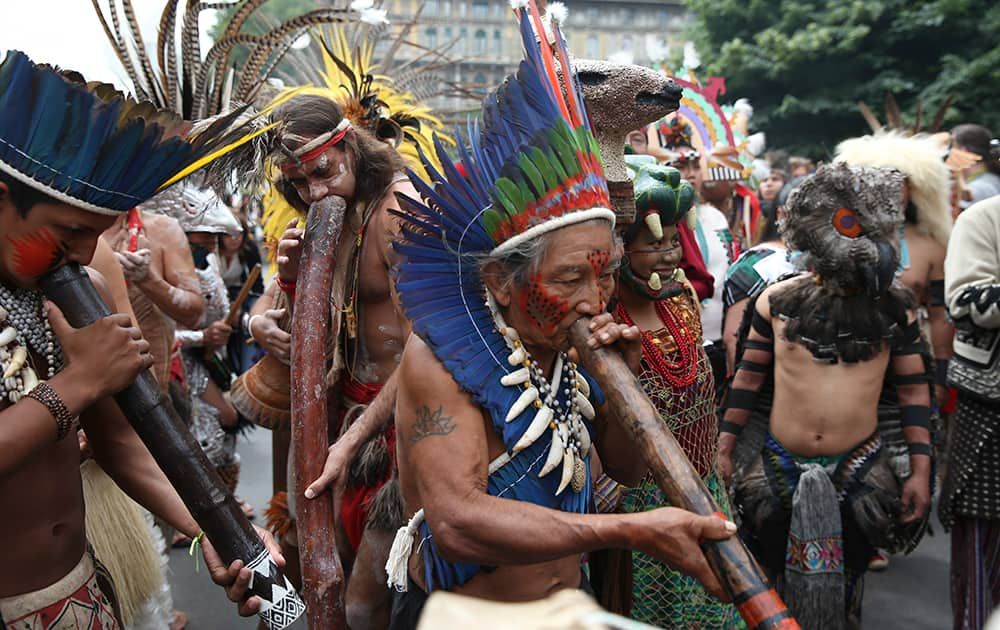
[662, 596]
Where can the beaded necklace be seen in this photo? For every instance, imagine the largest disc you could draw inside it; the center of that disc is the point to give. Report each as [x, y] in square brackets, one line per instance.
[679, 374]
[23, 324]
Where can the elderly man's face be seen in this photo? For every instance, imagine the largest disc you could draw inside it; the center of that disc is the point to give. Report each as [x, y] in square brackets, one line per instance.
[575, 277]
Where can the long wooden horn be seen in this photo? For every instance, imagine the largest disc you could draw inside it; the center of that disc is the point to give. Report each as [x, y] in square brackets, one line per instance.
[755, 599]
[322, 574]
[181, 458]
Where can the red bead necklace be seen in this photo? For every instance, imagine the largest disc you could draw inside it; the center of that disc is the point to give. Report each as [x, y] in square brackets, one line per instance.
[679, 374]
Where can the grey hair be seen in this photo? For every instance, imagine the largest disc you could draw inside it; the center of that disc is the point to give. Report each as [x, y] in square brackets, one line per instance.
[520, 262]
[525, 259]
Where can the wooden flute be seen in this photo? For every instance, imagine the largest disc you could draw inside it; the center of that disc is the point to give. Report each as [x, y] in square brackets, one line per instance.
[322, 573]
[182, 459]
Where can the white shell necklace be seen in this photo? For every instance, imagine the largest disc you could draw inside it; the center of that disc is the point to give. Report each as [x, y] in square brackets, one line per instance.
[23, 324]
[570, 437]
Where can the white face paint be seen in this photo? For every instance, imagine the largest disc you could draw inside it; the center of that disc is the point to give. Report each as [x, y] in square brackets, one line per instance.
[327, 174]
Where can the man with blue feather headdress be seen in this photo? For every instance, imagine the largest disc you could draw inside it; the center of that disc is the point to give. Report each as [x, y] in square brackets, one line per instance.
[73, 159]
[495, 421]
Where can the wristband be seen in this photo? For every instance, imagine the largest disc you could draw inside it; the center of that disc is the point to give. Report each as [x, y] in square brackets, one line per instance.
[730, 427]
[935, 291]
[941, 371]
[250, 325]
[919, 448]
[44, 394]
[286, 287]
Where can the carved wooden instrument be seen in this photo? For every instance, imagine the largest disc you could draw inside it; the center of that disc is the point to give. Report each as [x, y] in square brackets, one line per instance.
[181, 458]
[322, 574]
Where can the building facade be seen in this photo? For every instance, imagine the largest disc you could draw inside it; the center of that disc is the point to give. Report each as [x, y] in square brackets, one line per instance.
[482, 36]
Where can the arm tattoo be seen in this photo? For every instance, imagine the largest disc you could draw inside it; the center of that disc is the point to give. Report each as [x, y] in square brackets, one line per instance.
[430, 423]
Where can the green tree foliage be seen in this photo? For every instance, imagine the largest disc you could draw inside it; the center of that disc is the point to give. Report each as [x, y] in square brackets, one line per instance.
[805, 64]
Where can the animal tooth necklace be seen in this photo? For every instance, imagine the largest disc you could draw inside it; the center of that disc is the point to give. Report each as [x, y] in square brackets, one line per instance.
[570, 437]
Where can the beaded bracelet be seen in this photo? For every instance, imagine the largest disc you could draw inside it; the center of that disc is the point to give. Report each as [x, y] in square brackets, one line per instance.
[47, 396]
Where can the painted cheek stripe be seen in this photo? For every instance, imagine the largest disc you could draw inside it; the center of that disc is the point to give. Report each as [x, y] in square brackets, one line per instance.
[36, 253]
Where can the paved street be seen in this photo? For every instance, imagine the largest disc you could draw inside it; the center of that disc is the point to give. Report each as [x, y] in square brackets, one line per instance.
[912, 594]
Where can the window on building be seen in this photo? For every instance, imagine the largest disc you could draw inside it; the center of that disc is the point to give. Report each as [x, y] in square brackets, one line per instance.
[593, 51]
[480, 43]
[497, 42]
[431, 7]
[431, 37]
[627, 43]
[480, 9]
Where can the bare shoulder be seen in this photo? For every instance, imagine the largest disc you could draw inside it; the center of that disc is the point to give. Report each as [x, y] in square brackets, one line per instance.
[919, 243]
[162, 226]
[422, 374]
[763, 300]
[101, 284]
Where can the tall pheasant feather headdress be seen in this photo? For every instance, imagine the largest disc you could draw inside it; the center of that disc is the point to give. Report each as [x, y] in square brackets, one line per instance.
[370, 97]
[181, 79]
[93, 147]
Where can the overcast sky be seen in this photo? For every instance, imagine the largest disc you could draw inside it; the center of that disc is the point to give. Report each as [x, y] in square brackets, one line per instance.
[68, 33]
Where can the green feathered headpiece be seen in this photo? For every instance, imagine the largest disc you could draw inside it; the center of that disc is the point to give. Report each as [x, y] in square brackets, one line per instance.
[661, 196]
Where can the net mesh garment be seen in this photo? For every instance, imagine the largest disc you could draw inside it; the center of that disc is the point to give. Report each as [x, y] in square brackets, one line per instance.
[688, 411]
[662, 596]
[667, 598]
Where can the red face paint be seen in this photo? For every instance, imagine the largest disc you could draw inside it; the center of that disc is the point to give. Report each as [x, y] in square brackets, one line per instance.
[36, 253]
[544, 308]
[598, 260]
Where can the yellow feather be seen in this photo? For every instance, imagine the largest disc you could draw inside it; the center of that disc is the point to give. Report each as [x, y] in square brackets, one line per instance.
[214, 155]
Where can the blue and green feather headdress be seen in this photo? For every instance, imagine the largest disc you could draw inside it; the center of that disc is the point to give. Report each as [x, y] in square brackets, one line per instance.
[531, 166]
[91, 146]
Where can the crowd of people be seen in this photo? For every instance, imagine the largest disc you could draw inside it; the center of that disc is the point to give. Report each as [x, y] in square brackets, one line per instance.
[821, 339]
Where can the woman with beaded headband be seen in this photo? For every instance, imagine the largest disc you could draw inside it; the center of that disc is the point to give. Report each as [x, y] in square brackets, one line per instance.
[496, 423]
[73, 158]
[676, 375]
